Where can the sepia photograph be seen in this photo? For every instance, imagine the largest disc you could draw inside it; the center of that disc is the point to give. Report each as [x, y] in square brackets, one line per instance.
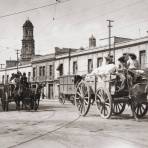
[73, 74]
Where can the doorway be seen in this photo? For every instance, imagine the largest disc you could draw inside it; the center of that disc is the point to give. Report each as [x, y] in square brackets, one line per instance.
[50, 91]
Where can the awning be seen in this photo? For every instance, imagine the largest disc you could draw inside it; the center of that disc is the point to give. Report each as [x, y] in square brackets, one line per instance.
[59, 67]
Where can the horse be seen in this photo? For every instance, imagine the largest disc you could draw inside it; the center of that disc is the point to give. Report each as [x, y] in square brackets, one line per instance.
[137, 86]
[35, 95]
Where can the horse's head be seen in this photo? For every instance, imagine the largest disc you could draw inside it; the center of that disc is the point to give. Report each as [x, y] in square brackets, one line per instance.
[12, 77]
[39, 87]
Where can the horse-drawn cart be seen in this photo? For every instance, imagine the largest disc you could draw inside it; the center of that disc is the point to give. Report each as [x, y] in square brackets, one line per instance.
[109, 100]
[29, 96]
[67, 88]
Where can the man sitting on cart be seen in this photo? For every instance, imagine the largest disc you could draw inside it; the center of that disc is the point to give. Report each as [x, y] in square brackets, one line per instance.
[15, 82]
[133, 67]
[23, 80]
[122, 62]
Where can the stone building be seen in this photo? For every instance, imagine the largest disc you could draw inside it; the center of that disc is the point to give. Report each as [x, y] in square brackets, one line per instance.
[43, 72]
[6, 73]
[83, 61]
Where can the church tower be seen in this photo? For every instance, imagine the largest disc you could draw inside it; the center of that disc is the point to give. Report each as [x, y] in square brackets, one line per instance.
[28, 49]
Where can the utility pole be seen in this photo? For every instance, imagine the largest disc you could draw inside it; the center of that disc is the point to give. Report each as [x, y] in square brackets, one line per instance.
[109, 35]
[69, 51]
[17, 53]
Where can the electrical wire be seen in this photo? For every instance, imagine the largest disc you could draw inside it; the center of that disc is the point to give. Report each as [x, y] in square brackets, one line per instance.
[131, 4]
[32, 9]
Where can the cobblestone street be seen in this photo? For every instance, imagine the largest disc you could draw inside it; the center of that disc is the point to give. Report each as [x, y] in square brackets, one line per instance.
[59, 126]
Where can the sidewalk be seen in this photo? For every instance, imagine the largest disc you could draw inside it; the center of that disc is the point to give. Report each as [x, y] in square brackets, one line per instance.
[49, 100]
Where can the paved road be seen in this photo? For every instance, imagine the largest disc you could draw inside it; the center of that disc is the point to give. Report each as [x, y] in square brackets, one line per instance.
[59, 126]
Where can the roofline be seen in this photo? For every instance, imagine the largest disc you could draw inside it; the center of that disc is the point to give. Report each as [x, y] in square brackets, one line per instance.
[15, 67]
[120, 45]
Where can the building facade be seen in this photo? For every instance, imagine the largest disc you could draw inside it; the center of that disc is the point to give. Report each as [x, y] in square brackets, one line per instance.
[66, 61]
[43, 72]
[85, 61]
[5, 73]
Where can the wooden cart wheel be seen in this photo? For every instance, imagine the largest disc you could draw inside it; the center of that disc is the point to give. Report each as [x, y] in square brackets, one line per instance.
[82, 98]
[6, 101]
[27, 103]
[118, 108]
[3, 104]
[62, 99]
[72, 99]
[141, 109]
[36, 104]
[104, 102]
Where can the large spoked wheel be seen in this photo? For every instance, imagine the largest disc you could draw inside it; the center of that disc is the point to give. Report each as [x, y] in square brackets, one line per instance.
[104, 102]
[72, 99]
[36, 104]
[118, 108]
[5, 102]
[82, 98]
[62, 99]
[27, 103]
[140, 109]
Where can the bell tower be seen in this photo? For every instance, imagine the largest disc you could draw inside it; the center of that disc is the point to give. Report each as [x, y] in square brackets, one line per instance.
[28, 49]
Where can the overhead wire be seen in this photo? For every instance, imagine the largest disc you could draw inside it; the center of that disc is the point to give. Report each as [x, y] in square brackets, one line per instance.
[119, 9]
[110, 12]
[116, 10]
[32, 9]
[84, 10]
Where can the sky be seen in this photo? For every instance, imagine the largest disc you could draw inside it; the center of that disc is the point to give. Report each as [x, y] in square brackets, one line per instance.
[69, 24]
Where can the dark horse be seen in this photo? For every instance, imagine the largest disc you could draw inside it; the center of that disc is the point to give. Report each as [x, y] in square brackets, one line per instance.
[15, 89]
[31, 97]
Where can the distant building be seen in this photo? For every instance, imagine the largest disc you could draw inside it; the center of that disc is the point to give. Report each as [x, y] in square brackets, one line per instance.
[92, 42]
[6, 73]
[11, 63]
[43, 72]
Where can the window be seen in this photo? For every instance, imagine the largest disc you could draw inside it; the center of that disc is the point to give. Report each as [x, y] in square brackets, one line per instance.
[7, 78]
[75, 67]
[34, 72]
[142, 58]
[99, 62]
[40, 71]
[50, 70]
[90, 65]
[61, 70]
[43, 70]
[29, 74]
[3, 79]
